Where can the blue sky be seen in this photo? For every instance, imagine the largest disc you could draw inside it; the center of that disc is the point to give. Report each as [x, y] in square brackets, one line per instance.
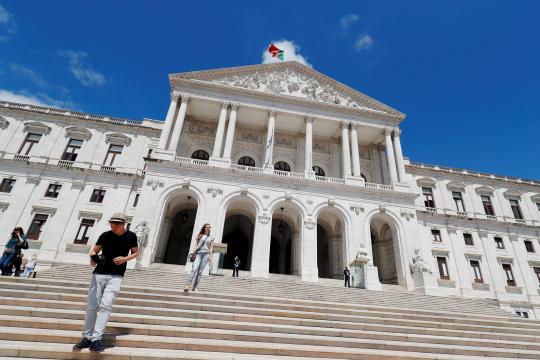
[466, 73]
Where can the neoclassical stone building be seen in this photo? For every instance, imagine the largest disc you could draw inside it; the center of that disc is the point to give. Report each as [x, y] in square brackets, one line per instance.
[295, 172]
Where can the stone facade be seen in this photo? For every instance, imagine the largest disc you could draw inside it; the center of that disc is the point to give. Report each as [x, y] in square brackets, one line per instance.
[294, 171]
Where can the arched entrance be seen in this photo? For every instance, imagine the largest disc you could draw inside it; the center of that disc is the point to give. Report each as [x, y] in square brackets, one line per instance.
[238, 232]
[385, 246]
[285, 240]
[178, 229]
[330, 240]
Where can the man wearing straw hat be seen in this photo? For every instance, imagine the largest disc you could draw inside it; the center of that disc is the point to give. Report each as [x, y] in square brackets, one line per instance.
[109, 255]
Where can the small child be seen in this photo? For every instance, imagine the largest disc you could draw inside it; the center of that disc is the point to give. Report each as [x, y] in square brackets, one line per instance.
[30, 266]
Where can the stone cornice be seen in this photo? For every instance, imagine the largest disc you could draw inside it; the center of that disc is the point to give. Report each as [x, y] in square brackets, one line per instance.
[74, 114]
[420, 168]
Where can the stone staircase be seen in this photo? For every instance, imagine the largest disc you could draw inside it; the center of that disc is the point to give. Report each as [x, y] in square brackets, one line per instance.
[277, 318]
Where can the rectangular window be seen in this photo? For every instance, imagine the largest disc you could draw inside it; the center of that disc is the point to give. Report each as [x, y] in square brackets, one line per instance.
[529, 246]
[436, 235]
[85, 231]
[29, 142]
[114, 150]
[468, 239]
[458, 200]
[97, 196]
[537, 273]
[499, 242]
[475, 265]
[37, 224]
[538, 206]
[136, 201]
[428, 197]
[507, 268]
[7, 185]
[53, 190]
[488, 206]
[72, 150]
[443, 268]
[516, 210]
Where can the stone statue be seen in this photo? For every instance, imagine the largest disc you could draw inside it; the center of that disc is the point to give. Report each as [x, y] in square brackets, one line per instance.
[362, 255]
[418, 265]
[141, 230]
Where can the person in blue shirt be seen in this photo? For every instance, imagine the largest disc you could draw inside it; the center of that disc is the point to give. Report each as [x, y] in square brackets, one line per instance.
[11, 250]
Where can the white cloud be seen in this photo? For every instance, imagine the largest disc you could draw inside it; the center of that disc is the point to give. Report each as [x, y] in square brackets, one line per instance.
[29, 74]
[83, 73]
[346, 21]
[291, 52]
[364, 42]
[40, 99]
[7, 23]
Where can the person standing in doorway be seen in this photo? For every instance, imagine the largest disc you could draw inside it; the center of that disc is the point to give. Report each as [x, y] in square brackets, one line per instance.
[109, 255]
[347, 276]
[203, 255]
[236, 266]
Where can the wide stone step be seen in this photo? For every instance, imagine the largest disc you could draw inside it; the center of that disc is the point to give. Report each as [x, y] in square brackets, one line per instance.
[262, 346]
[64, 352]
[48, 292]
[293, 335]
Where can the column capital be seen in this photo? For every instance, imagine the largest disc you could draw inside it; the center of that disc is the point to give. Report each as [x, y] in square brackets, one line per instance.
[345, 124]
[234, 106]
[308, 119]
[272, 112]
[388, 131]
[174, 96]
[354, 126]
[397, 132]
[185, 98]
[224, 104]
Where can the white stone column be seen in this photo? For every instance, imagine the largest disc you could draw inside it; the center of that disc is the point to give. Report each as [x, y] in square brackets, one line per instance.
[345, 151]
[218, 141]
[260, 255]
[399, 156]
[355, 152]
[167, 125]
[309, 270]
[177, 131]
[390, 155]
[269, 149]
[230, 132]
[308, 160]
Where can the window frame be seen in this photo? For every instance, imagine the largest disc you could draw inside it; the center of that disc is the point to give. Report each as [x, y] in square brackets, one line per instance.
[136, 200]
[429, 199]
[488, 205]
[516, 209]
[74, 153]
[7, 184]
[36, 226]
[468, 239]
[442, 265]
[436, 235]
[529, 246]
[246, 161]
[29, 142]
[53, 190]
[200, 155]
[282, 164]
[86, 227]
[319, 171]
[509, 273]
[97, 198]
[536, 270]
[457, 196]
[113, 154]
[477, 271]
[497, 242]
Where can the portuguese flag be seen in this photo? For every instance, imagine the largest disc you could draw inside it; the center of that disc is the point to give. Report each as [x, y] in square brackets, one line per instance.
[275, 52]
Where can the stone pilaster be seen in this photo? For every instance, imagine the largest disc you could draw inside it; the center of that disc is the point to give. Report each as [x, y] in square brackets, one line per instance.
[230, 132]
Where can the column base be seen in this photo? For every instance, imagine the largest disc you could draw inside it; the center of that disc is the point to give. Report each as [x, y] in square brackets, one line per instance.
[424, 283]
[162, 154]
[219, 162]
[309, 174]
[372, 278]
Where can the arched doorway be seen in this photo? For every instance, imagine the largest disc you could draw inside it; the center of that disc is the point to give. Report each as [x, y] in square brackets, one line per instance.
[177, 229]
[238, 232]
[330, 241]
[385, 246]
[285, 240]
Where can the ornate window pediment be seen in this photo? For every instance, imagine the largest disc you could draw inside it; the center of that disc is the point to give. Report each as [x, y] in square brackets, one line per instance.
[90, 214]
[42, 209]
[79, 133]
[427, 182]
[118, 139]
[4, 123]
[36, 127]
[456, 186]
[484, 190]
[512, 194]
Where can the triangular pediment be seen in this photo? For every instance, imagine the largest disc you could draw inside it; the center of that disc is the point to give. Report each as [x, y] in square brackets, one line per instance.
[289, 79]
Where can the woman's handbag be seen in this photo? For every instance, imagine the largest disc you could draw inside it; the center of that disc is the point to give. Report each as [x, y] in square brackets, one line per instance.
[192, 257]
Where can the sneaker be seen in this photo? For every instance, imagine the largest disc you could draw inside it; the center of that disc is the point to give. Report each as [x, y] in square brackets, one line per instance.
[195, 290]
[97, 346]
[83, 344]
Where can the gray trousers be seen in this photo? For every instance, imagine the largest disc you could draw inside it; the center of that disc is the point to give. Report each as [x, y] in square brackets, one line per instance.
[102, 294]
[198, 267]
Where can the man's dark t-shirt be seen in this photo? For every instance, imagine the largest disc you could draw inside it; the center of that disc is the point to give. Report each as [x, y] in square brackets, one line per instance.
[114, 246]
